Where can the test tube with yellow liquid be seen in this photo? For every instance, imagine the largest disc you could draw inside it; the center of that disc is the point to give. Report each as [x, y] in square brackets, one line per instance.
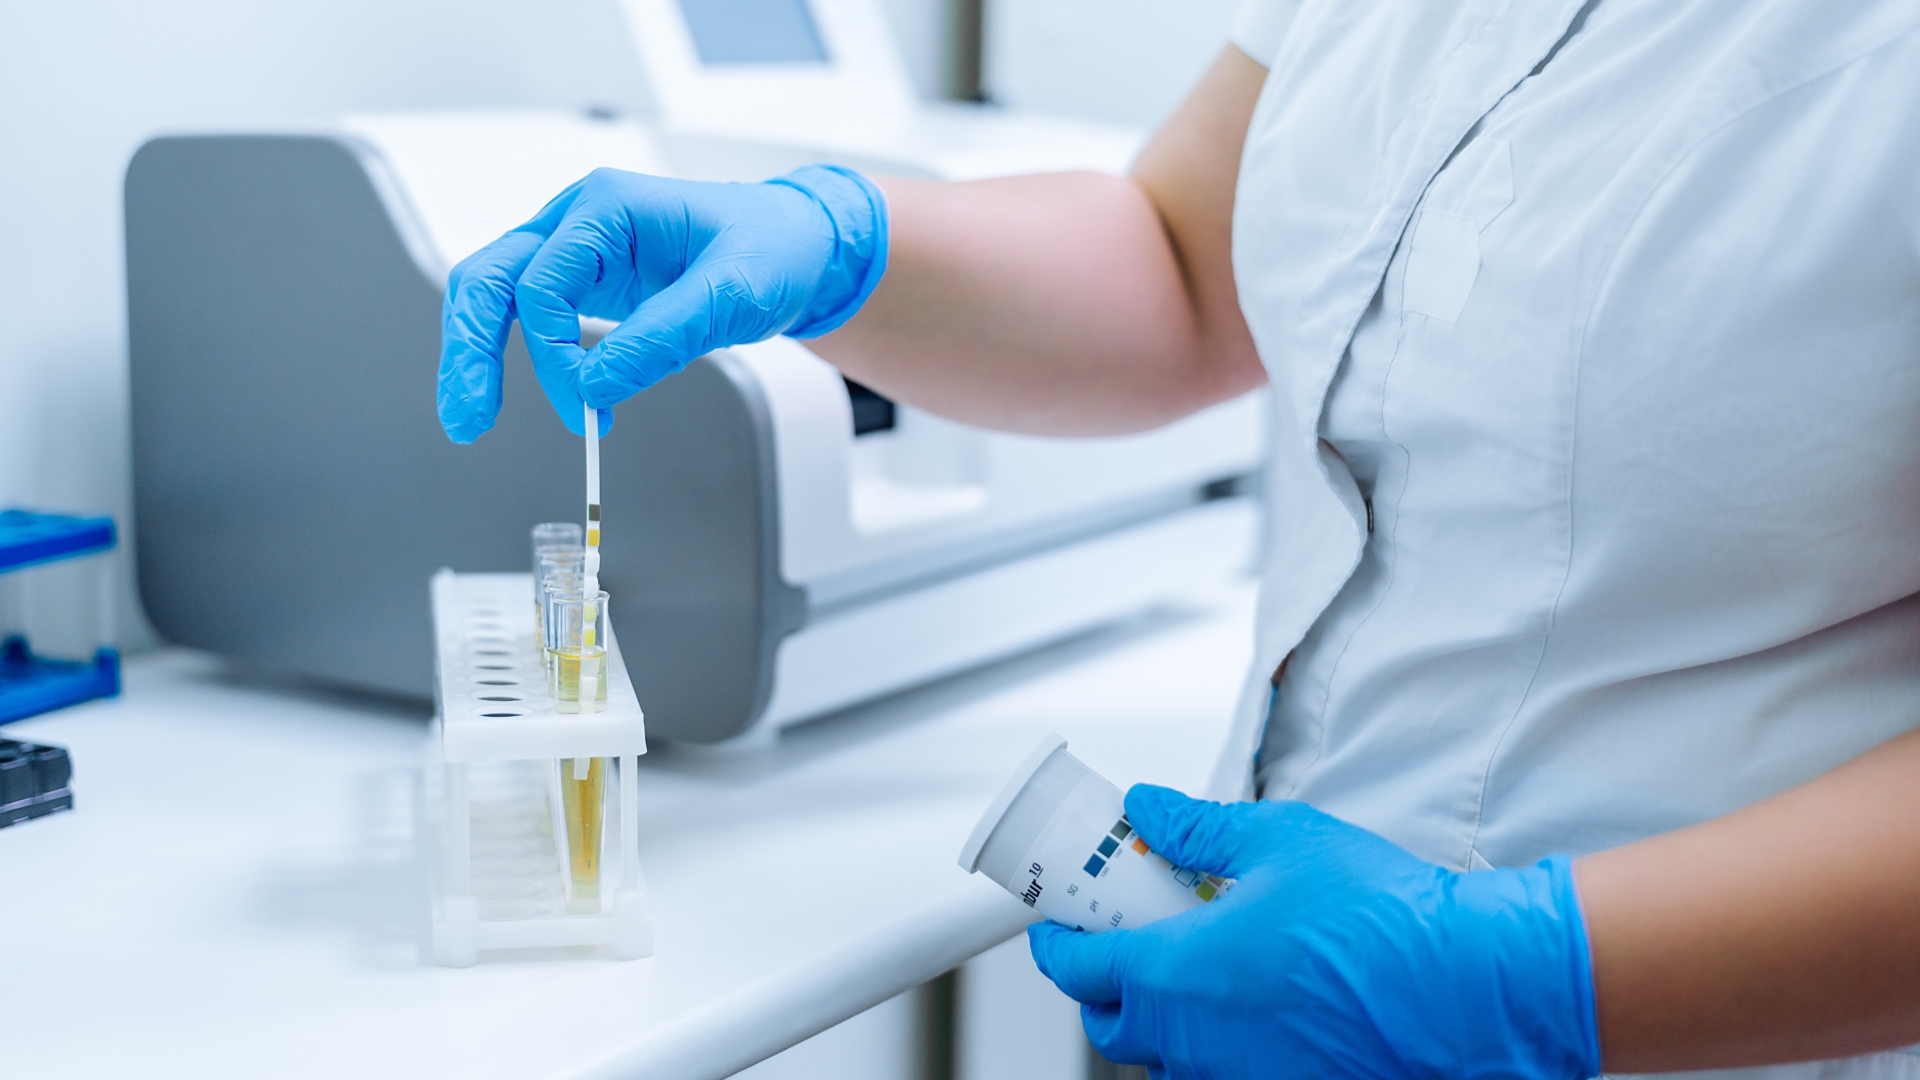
[577, 637]
[577, 630]
[577, 642]
[583, 787]
[559, 583]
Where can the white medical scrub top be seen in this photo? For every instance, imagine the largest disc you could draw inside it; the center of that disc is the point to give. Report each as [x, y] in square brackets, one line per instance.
[1594, 339]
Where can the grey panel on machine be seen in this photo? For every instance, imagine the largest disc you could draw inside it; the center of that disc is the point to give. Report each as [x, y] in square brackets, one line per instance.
[699, 500]
[293, 491]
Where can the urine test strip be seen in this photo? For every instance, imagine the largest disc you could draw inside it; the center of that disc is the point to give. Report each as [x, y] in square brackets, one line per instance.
[590, 683]
[592, 568]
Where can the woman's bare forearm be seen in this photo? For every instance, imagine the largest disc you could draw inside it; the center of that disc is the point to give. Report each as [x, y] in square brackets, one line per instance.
[1787, 931]
[1048, 304]
[1069, 303]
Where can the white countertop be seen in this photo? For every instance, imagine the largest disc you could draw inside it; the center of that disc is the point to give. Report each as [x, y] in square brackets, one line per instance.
[237, 894]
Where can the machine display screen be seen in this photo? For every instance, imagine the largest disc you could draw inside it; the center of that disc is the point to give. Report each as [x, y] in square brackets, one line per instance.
[754, 31]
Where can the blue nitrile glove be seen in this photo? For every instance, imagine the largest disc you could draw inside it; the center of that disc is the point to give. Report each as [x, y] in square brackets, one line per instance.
[1336, 953]
[685, 267]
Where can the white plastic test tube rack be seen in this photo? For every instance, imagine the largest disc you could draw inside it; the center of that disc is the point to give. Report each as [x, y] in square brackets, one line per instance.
[497, 861]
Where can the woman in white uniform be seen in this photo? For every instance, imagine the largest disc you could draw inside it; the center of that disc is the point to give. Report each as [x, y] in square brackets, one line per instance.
[1589, 645]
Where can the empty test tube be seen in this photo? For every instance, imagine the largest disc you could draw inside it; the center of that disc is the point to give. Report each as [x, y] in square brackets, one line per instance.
[554, 565]
[553, 539]
[556, 534]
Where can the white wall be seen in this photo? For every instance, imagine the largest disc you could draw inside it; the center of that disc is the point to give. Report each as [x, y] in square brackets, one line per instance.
[84, 82]
[1130, 61]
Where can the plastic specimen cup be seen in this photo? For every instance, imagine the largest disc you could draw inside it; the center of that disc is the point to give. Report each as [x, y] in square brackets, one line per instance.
[1057, 837]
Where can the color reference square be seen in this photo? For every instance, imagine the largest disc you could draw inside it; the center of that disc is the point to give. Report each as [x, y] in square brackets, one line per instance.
[1094, 866]
[1121, 829]
[1108, 846]
[1139, 845]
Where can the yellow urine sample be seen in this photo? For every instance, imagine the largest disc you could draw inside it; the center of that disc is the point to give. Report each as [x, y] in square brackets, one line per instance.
[583, 804]
[572, 662]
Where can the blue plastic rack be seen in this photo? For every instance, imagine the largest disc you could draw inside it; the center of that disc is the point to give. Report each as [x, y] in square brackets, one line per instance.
[29, 684]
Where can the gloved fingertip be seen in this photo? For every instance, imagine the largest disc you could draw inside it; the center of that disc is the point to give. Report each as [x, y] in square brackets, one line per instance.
[1082, 965]
[1194, 833]
[1042, 938]
[461, 423]
[606, 422]
[1152, 810]
[1154, 799]
[601, 389]
[1042, 931]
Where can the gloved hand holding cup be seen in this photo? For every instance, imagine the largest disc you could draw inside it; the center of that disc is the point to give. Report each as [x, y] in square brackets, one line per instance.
[1333, 953]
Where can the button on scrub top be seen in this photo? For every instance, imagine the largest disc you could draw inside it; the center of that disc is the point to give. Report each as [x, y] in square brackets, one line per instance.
[1593, 331]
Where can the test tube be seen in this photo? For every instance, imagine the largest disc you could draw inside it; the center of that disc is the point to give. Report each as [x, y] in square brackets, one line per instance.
[555, 534]
[561, 583]
[564, 556]
[559, 561]
[555, 539]
[583, 787]
[552, 563]
[577, 628]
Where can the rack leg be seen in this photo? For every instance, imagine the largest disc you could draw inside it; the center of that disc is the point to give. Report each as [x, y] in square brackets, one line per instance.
[630, 822]
[22, 602]
[104, 614]
[633, 924]
[457, 934]
[13, 615]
